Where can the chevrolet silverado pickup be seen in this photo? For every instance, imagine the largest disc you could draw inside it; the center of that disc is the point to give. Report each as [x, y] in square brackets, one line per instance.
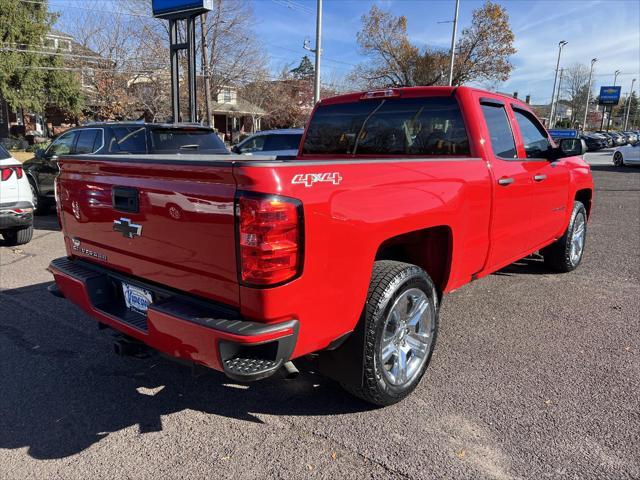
[395, 198]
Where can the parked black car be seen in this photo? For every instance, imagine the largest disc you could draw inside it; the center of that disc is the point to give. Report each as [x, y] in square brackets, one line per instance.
[593, 142]
[115, 138]
[609, 137]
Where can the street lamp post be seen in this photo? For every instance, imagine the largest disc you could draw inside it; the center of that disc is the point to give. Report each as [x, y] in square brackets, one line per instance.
[555, 81]
[615, 79]
[626, 117]
[586, 106]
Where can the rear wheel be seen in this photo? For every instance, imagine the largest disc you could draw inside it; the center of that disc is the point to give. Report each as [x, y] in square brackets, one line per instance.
[566, 253]
[18, 236]
[401, 320]
[618, 160]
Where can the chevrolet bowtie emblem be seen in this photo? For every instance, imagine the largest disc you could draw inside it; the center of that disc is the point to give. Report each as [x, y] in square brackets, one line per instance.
[126, 228]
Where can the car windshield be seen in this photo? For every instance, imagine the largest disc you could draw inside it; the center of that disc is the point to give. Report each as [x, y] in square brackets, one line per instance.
[398, 126]
[191, 140]
[3, 153]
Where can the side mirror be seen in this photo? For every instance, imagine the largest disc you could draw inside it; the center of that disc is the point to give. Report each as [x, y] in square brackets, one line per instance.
[235, 149]
[572, 147]
[39, 153]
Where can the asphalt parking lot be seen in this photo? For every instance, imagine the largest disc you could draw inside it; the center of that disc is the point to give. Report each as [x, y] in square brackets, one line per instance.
[535, 375]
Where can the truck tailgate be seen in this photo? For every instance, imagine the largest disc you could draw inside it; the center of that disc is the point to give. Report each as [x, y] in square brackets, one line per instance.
[171, 223]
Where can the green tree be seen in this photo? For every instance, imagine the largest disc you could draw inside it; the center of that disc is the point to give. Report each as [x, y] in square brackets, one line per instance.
[30, 79]
[482, 53]
[304, 71]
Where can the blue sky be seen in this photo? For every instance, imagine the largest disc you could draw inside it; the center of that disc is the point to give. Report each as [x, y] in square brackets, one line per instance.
[606, 29]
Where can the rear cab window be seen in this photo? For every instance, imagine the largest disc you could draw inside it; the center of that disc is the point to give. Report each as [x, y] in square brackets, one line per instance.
[3, 153]
[191, 140]
[392, 126]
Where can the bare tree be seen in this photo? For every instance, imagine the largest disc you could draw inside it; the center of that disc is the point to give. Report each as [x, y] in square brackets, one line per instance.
[483, 51]
[575, 85]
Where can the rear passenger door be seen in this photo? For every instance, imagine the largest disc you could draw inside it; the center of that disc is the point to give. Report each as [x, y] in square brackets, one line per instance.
[550, 189]
[510, 217]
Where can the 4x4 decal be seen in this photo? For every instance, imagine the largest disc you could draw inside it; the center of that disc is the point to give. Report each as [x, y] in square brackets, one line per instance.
[308, 179]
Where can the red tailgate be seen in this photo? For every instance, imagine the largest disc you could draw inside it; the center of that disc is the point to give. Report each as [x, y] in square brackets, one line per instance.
[167, 222]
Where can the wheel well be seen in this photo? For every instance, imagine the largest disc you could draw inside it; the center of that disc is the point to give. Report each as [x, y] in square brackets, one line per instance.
[430, 249]
[584, 197]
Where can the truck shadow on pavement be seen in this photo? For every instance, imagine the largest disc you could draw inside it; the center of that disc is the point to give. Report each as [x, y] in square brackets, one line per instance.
[63, 390]
[46, 222]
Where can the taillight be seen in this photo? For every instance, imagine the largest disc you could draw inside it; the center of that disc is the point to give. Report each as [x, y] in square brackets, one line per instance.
[270, 239]
[5, 174]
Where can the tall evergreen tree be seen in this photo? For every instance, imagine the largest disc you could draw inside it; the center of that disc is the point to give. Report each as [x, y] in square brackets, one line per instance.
[29, 78]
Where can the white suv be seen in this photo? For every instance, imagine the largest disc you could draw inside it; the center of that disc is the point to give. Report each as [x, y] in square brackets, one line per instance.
[16, 207]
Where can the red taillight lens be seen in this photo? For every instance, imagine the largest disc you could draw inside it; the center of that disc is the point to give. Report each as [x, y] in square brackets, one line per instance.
[5, 174]
[270, 237]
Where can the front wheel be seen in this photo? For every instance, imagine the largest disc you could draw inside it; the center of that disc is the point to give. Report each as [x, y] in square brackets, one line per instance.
[618, 161]
[401, 321]
[566, 253]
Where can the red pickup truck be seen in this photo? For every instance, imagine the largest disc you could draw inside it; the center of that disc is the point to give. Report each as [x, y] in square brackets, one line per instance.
[396, 197]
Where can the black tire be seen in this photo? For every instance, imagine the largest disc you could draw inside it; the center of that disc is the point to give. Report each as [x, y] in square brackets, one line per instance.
[389, 282]
[618, 160]
[18, 236]
[39, 207]
[558, 256]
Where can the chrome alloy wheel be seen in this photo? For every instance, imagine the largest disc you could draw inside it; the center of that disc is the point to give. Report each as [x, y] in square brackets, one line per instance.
[577, 238]
[406, 337]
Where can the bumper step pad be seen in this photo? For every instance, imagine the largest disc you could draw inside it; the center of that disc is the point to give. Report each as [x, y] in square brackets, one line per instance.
[244, 369]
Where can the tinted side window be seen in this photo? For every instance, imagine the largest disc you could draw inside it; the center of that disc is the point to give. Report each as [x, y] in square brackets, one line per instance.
[88, 141]
[282, 142]
[536, 143]
[174, 140]
[128, 140]
[395, 126]
[500, 131]
[254, 144]
[62, 145]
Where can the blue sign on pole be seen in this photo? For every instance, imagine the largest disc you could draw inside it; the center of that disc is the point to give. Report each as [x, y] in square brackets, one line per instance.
[564, 133]
[609, 95]
[180, 8]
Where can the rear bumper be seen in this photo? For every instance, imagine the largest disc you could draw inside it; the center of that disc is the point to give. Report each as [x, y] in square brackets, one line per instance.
[16, 215]
[179, 325]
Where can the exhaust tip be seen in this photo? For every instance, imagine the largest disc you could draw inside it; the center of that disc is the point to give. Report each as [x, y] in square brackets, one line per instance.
[292, 371]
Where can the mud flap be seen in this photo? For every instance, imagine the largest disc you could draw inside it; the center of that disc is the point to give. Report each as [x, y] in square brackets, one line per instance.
[343, 361]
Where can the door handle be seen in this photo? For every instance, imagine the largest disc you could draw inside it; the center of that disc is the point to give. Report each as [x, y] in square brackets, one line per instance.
[504, 181]
[539, 178]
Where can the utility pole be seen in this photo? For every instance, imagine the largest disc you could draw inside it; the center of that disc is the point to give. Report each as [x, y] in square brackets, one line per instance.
[561, 44]
[205, 69]
[615, 79]
[453, 42]
[586, 106]
[318, 52]
[626, 117]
